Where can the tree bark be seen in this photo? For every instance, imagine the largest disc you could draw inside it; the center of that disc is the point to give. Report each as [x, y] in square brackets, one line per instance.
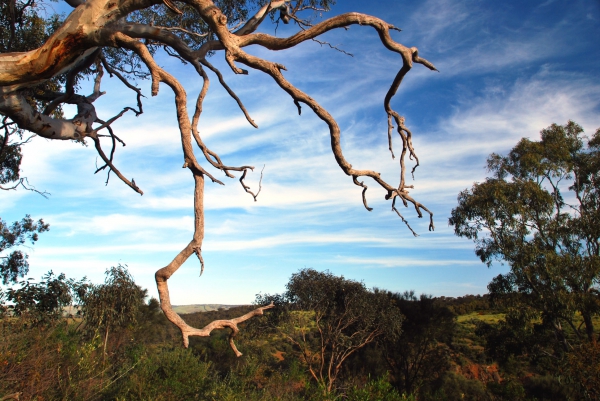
[95, 25]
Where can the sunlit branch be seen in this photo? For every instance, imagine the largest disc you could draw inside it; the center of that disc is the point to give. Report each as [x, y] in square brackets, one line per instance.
[77, 45]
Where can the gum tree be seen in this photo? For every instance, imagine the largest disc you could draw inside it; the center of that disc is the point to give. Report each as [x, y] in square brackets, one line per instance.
[122, 37]
[539, 212]
[20, 29]
[327, 319]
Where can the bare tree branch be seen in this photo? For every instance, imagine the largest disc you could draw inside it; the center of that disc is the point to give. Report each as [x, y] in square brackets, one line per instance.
[78, 44]
[247, 188]
[23, 182]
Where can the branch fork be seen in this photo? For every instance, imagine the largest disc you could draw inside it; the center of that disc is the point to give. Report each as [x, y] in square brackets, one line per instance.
[81, 42]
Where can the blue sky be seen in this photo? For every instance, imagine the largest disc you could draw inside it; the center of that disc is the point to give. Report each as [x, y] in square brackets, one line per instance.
[507, 70]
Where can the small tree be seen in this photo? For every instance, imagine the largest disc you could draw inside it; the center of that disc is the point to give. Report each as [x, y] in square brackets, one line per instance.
[420, 354]
[328, 318]
[539, 212]
[112, 304]
[42, 302]
[15, 264]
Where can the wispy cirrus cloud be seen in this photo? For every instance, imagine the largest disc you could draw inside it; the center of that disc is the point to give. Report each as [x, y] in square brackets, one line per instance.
[399, 262]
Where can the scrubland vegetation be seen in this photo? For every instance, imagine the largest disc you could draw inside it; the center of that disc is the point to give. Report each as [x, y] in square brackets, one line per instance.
[414, 348]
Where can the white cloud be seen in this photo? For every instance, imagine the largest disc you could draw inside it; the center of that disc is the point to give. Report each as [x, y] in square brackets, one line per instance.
[401, 262]
[529, 106]
[119, 223]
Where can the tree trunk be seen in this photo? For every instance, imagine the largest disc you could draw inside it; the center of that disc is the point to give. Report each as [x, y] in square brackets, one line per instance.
[589, 325]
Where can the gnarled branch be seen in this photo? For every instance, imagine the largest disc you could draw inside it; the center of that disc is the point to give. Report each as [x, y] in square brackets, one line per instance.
[80, 42]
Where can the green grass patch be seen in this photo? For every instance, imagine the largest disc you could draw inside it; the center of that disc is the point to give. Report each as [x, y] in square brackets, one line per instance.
[490, 318]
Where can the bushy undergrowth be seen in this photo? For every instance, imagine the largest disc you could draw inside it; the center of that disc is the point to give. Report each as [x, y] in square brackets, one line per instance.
[58, 362]
[142, 359]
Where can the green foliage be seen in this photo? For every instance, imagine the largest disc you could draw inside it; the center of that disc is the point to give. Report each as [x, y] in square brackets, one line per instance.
[581, 369]
[15, 264]
[454, 387]
[166, 374]
[59, 360]
[328, 318]
[522, 334]
[114, 304]
[42, 302]
[380, 390]
[489, 317]
[48, 361]
[10, 160]
[420, 354]
[539, 213]
[466, 304]
[508, 390]
[45, 355]
[24, 26]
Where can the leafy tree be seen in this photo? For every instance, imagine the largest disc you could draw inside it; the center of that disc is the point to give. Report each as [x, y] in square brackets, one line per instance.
[420, 354]
[21, 29]
[465, 304]
[15, 264]
[539, 213]
[113, 304]
[42, 302]
[520, 336]
[42, 61]
[328, 318]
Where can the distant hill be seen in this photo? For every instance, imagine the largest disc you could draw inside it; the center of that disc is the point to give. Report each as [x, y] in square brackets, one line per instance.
[184, 309]
[181, 309]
